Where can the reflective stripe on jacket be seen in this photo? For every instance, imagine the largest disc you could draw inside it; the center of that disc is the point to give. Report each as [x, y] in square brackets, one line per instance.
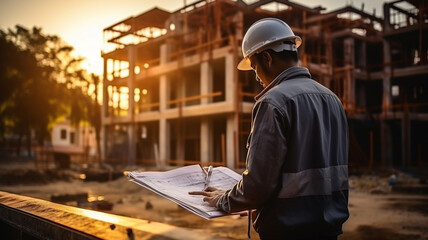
[296, 173]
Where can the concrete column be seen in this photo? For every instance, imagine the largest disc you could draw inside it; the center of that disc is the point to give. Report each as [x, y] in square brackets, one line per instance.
[349, 86]
[230, 85]
[362, 57]
[163, 94]
[104, 111]
[104, 141]
[180, 133]
[405, 137]
[206, 140]
[386, 17]
[164, 53]
[326, 81]
[361, 65]
[329, 55]
[163, 125]
[131, 80]
[386, 83]
[231, 135]
[164, 136]
[206, 81]
[131, 106]
[131, 145]
[386, 144]
[238, 18]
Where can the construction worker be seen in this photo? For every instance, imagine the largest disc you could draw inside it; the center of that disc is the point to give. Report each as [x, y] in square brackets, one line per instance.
[296, 175]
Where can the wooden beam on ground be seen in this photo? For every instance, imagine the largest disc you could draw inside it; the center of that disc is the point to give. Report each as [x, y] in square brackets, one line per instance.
[27, 218]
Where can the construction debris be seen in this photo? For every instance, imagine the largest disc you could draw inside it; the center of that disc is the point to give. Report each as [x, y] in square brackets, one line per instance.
[65, 198]
[382, 184]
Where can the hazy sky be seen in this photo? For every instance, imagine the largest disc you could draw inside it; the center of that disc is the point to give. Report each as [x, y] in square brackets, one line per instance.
[80, 22]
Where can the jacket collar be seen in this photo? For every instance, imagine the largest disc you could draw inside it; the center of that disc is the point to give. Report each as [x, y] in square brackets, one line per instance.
[288, 73]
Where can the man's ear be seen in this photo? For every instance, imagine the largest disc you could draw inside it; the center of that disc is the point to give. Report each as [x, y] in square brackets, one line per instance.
[267, 58]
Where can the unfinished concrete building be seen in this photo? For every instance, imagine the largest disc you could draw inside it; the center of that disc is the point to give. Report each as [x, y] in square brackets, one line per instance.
[404, 122]
[173, 95]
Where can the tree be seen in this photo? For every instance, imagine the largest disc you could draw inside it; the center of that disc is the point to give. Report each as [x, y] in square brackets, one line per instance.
[40, 80]
[25, 102]
[10, 78]
[95, 117]
[87, 107]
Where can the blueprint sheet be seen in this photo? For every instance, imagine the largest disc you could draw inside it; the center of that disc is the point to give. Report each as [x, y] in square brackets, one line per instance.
[176, 184]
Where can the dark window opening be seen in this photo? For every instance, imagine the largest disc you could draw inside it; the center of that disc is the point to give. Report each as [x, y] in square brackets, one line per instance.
[63, 134]
[72, 137]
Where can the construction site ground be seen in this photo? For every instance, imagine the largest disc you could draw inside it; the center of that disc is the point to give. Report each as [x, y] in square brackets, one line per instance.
[376, 211]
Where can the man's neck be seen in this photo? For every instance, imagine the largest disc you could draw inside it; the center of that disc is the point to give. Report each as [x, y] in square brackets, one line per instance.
[278, 69]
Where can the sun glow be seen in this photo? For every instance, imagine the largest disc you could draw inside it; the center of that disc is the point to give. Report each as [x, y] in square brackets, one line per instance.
[101, 216]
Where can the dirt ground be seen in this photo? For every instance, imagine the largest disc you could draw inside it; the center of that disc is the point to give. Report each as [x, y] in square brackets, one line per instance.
[375, 211]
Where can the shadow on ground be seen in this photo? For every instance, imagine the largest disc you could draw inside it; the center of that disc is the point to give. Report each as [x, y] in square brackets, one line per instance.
[373, 233]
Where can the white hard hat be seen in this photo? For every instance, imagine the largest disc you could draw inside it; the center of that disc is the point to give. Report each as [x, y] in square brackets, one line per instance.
[267, 33]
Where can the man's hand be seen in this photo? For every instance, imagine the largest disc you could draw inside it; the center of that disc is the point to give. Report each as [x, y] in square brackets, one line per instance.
[211, 194]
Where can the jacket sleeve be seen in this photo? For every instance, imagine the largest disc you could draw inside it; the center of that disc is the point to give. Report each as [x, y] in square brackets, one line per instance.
[265, 158]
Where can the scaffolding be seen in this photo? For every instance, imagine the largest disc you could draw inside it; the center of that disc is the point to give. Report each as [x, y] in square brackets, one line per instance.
[173, 96]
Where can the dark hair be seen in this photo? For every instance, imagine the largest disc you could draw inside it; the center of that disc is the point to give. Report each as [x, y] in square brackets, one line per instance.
[287, 56]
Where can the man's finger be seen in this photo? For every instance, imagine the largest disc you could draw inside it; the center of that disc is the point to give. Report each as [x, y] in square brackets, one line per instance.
[210, 189]
[210, 200]
[199, 193]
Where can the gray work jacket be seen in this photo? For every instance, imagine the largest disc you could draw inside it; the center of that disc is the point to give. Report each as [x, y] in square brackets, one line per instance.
[296, 173]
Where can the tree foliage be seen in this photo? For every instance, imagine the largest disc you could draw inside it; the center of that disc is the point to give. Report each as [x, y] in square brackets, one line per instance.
[40, 80]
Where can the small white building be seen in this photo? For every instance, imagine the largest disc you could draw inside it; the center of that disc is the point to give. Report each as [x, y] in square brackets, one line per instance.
[66, 137]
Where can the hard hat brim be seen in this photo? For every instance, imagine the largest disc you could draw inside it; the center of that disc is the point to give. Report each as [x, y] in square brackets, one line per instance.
[244, 64]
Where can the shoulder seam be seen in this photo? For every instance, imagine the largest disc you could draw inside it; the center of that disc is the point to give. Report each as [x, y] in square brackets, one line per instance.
[268, 101]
